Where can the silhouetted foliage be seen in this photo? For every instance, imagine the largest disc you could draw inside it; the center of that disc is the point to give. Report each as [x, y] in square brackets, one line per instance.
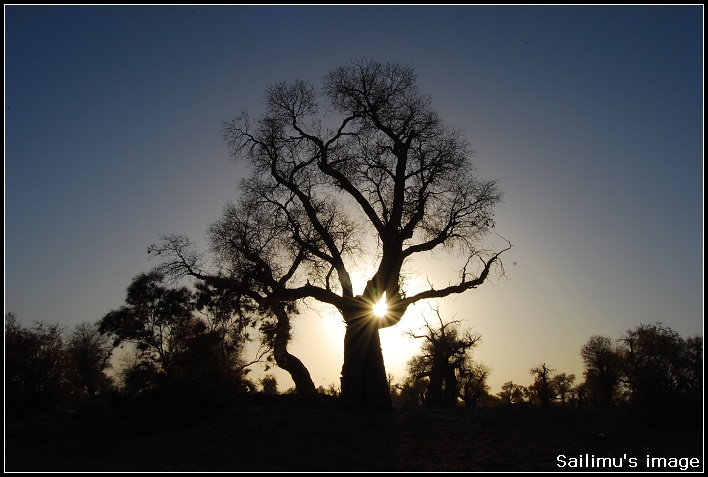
[603, 362]
[548, 387]
[542, 384]
[562, 386]
[89, 352]
[269, 384]
[651, 364]
[331, 390]
[226, 313]
[513, 393]
[375, 160]
[37, 372]
[139, 376]
[580, 392]
[445, 356]
[182, 354]
[660, 367]
[156, 319]
[410, 392]
[473, 382]
[238, 239]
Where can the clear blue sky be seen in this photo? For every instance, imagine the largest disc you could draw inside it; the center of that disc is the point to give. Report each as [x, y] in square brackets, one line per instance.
[590, 117]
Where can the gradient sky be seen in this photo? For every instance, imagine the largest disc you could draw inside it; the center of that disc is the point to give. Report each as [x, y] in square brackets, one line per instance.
[590, 118]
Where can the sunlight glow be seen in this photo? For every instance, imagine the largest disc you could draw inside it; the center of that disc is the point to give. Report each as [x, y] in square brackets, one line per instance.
[381, 307]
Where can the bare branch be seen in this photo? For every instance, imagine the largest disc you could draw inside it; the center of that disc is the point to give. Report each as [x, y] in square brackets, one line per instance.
[461, 287]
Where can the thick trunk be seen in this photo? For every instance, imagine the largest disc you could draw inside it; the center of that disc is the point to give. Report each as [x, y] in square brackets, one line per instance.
[434, 396]
[450, 394]
[437, 376]
[544, 395]
[364, 383]
[298, 372]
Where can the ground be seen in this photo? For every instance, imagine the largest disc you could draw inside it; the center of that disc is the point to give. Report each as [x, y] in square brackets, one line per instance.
[280, 434]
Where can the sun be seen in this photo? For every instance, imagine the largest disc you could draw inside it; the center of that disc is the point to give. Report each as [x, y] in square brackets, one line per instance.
[380, 308]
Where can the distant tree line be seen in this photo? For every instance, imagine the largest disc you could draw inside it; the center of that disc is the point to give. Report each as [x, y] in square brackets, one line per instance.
[178, 344]
[650, 365]
[185, 345]
[47, 367]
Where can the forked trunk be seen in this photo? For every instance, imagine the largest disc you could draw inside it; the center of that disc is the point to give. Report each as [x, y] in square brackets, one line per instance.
[364, 383]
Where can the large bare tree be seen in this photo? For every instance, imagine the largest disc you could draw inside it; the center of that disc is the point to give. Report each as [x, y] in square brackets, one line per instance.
[365, 168]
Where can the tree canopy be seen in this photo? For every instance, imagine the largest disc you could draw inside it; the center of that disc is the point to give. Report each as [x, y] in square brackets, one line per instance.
[362, 168]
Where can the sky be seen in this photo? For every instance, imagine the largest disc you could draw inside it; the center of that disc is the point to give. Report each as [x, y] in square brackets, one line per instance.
[589, 117]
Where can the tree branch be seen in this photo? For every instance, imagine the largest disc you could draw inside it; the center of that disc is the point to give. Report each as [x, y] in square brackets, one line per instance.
[461, 287]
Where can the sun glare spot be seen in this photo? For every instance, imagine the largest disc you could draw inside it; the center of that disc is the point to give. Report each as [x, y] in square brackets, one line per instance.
[381, 307]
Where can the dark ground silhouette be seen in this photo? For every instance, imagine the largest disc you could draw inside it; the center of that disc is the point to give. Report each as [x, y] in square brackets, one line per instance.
[279, 434]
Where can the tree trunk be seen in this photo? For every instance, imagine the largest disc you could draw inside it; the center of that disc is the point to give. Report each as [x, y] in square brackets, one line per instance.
[450, 394]
[364, 382]
[298, 371]
[434, 396]
[544, 395]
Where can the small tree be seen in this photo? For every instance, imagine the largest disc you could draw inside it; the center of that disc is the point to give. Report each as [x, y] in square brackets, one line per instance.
[269, 384]
[411, 390]
[444, 353]
[512, 393]
[156, 319]
[562, 385]
[542, 384]
[90, 351]
[473, 380]
[602, 361]
[37, 372]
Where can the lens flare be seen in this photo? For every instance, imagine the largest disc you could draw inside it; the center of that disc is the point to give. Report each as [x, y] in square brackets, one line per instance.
[380, 308]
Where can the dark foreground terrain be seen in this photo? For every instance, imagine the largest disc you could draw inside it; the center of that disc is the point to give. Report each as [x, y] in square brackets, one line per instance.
[280, 434]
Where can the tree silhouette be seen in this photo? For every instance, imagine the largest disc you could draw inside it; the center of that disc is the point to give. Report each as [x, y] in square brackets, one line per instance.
[156, 319]
[512, 393]
[269, 383]
[444, 354]
[602, 362]
[90, 351]
[473, 380]
[410, 390]
[216, 353]
[375, 161]
[257, 272]
[37, 372]
[562, 385]
[659, 366]
[542, 384]
[175, 346]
